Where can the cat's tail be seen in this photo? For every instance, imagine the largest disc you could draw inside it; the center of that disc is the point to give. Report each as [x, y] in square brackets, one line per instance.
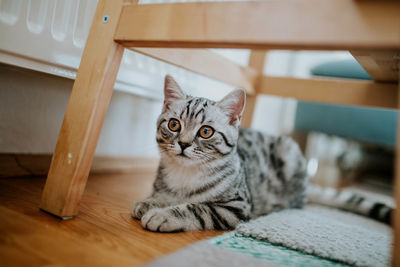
[349, 201]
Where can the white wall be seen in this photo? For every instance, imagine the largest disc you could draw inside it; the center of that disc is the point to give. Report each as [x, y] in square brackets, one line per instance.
[32, 107]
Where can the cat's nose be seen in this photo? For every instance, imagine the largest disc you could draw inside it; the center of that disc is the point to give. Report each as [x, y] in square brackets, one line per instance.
[183, 145]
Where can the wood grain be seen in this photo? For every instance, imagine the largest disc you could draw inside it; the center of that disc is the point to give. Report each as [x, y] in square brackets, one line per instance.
[85, 113]
[382, 66]
[207, 63]
[256, 62]
[291, 24]
[40, 245]
[248, 113]
[334, 91]
[104, 234]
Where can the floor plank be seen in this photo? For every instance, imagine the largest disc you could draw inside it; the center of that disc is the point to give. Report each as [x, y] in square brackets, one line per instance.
[103, 233]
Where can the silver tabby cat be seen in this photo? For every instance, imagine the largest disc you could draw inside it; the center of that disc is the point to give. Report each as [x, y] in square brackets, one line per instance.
[213, 175]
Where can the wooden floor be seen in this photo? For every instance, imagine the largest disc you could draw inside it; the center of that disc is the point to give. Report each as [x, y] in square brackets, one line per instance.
[104, 234]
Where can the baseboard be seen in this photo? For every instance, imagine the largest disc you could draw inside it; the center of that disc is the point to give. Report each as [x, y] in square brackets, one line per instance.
[38, 165]
[107, 164]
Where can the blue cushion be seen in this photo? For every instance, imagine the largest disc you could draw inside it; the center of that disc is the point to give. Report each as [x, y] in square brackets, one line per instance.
[365, 124]
[348, 68]
[371, 125]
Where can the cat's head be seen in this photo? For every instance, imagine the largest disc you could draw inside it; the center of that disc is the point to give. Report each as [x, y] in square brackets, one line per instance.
[195, 130]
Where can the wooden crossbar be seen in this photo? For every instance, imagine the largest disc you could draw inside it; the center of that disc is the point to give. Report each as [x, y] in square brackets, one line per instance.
[207, 63]
[290, 24]
[256, 61]
[382, 66]
[334, 91]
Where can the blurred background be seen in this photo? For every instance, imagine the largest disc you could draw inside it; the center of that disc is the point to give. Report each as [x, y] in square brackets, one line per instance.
[344, 145]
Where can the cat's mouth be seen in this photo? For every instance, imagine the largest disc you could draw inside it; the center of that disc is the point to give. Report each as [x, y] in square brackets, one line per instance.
[182, 155]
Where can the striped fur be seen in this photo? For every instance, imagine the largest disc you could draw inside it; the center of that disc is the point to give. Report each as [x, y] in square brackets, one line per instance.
[350, 201]
[232, 176]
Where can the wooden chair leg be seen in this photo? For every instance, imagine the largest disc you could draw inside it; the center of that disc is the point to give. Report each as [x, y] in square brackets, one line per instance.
[256, 61]
[85, 113]
[396, 215]
[249, 111]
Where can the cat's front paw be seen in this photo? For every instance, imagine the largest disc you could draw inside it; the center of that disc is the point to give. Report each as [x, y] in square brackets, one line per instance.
[160, 220]
[141, 208]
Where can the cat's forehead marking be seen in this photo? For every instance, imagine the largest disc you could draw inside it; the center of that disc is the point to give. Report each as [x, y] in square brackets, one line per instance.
[194, 110]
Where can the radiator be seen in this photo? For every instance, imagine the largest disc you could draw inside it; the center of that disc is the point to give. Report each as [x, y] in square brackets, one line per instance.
[49, 36]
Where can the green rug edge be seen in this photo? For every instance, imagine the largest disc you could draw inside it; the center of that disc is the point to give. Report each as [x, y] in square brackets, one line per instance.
[270, 252]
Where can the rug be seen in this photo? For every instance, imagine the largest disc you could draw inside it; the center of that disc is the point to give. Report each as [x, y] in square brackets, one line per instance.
[233, 250]
[328, 233]
[312, 237]
[206, 254]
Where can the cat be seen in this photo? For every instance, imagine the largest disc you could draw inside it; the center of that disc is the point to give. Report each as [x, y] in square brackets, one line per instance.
[213, 174]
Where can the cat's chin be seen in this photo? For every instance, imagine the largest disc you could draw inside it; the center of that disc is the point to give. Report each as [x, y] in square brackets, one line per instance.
[184, 160]
[181, 159]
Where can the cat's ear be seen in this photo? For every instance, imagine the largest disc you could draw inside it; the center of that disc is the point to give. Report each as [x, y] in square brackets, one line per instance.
[172, 91]
[233, 105]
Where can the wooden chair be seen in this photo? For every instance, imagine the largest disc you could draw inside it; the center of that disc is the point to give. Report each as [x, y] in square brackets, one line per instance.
[369, 29]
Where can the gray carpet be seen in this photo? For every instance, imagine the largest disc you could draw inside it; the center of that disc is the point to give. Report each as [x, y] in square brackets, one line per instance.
[312, 237]
[327, 233]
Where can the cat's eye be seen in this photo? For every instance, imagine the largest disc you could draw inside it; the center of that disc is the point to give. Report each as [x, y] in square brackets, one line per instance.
[206, 132]
[174, 125]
